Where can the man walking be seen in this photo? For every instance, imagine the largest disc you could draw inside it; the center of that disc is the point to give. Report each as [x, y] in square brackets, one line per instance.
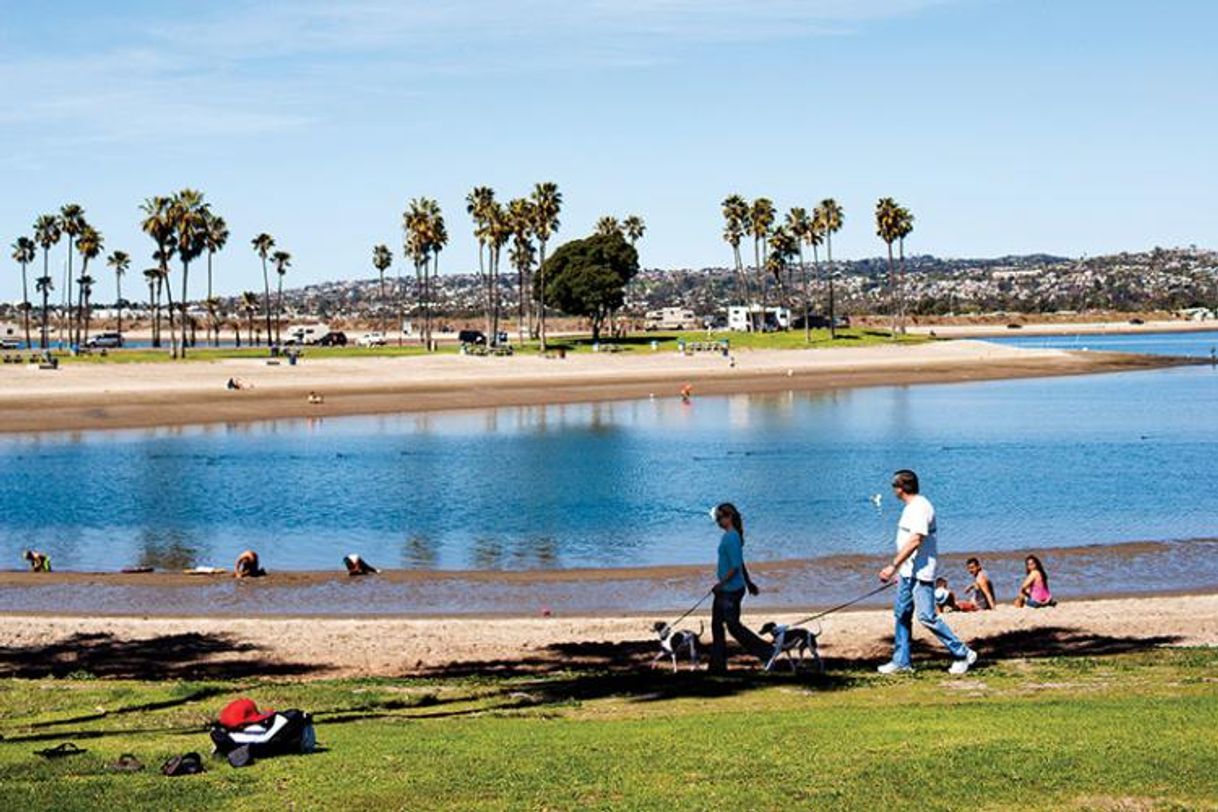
[915, 562]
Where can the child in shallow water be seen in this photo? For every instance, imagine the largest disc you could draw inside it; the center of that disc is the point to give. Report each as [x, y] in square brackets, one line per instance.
[39, 562]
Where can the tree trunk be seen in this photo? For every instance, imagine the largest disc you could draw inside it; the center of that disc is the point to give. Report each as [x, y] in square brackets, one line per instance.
[279, 313]
[173, 335]
[156, 315]
[803, 277]
[25, 304]
[68, 292]
[829, 260]
[185, 275]
[266, 303]
[892, 292]
[757, 264]
[901, 286]
[541, 296]
[118, 304]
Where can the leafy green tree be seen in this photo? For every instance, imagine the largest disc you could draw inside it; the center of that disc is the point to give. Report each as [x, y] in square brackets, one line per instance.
[588, 277]
[25, 251]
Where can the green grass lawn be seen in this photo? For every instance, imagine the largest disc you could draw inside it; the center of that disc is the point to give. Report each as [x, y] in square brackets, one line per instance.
[635, 343]
[1128, 731]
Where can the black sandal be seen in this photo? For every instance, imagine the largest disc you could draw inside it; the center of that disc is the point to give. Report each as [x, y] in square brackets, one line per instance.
[65, 749]
[186, 764]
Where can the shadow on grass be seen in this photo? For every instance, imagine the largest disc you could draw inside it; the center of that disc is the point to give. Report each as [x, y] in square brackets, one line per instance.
[168, 657]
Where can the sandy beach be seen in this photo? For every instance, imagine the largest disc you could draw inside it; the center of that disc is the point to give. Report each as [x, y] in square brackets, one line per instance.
[102, 396]
[1058, 328]
[331, 647]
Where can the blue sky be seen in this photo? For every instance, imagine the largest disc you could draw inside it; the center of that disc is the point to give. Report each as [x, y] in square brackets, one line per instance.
[1008, 126]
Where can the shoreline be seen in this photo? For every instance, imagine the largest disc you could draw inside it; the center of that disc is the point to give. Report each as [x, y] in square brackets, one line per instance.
[99, 397]
[321, 648]
[1050, 328]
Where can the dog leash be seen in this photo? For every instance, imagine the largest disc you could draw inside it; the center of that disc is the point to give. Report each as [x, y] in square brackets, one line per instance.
[691, 609]
[841, 606]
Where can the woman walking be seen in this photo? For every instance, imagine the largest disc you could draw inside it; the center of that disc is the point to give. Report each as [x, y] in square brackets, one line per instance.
[733, 580]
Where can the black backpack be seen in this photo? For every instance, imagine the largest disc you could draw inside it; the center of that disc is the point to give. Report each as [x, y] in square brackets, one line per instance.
[284, 732]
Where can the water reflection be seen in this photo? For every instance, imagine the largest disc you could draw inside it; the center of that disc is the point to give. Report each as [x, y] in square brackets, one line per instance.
[167, 550]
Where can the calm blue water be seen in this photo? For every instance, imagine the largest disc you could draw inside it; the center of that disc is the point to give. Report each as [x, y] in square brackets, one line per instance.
[1011, 465]
[1197, 345]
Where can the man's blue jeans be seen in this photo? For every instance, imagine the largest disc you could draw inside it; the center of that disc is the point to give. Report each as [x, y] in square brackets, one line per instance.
[919, 596]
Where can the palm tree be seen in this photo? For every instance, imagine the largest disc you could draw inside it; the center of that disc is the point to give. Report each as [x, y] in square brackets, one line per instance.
[633, 227]
[158, 225]
[761, 218]
[517, 223]
[382, 258]
[437, 239]
[830, 216]
[799, 226]
[735, 225]
[607, 226]
[119, 262]
[249, 303]
[263, 244]
[283, 261]
[46, 233]
[71, 223]
[783, 246]
[25, 251]
[189, 216]
[905, 221]
[215, 239]
[886, 229]
[417, 246]
[153, 277]
[89, 243]
[44, 285]
[478, 205]
[547, 203]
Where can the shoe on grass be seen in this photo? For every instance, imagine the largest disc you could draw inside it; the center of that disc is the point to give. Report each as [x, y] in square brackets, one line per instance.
[889, 669]
[962, 666]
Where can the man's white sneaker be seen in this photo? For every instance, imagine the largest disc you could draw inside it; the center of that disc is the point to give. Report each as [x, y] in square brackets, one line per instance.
[962, 666]
[889, 669]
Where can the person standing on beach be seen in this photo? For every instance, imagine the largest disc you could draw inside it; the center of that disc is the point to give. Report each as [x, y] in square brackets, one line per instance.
[733, 580]
[915, 563]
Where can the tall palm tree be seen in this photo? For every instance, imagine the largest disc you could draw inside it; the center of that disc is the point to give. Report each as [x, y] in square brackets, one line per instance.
[478, 204]
[158, 225]
[634, 227]
[830, 217]
[799, 225]
[905, 221]
[521, 222]
[152, 276]
[761, 218]
[547, 204]
[263, 245]
[886, 229]
[283, 261]
[735, 225]
[90, 244]
[215, 239]
[382, 258]
[249, 303]
[437, 239]
[417, 246]
[46, 233]
[783, 247]
[25, 251]
[189, 216]
[119, 262]
[71, 223]
[607, 226]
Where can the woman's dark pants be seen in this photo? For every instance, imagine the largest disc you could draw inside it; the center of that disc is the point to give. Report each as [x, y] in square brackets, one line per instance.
[726, 613]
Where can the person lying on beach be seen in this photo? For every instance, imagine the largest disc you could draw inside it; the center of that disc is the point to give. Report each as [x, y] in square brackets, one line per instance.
[732, 581]
[315, 399]
[1034, 591]
[358, 566]
[981, 589]
[237, 383]
[39, 562]
[247, 566]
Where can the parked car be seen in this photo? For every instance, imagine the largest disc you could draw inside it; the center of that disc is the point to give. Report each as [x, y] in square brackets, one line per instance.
[471, 337]
[374, 339]
[9, 344]
[333, 338]
[1136, 321]
[105, 341]
[1014, 326]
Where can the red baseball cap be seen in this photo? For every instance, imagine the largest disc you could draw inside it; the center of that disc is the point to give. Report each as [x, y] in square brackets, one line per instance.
[242, 712]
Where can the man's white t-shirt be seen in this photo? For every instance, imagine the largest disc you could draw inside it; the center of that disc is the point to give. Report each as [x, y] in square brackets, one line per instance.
[918, 518]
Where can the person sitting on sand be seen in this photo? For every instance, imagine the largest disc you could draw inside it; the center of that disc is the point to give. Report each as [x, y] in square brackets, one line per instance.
[981, 589]
[1034, 591]
[315, 399]
[945, 599]
[358, 566]
[39, 562]
[247, 566]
